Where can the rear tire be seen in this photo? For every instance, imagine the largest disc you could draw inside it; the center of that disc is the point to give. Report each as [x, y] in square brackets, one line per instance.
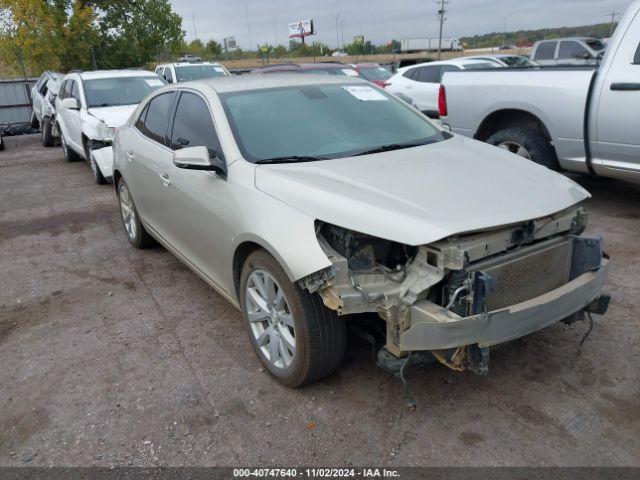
[34, 121]
[537, 147]
[95, 168]
[318, 333]
[133, 228]
[69, 154]
[48, 139]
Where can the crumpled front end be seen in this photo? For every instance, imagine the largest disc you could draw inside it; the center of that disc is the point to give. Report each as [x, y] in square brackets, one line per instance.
[459, 296]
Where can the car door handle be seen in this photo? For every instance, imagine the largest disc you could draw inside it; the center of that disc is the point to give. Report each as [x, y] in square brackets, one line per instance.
[130, 156]
[625, 87]
[164, 177]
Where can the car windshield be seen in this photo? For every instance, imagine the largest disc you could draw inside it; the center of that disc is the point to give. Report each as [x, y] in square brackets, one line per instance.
[480, 66]
[374, 73]
[596, 45]
[516, 61]
[109, 92]
[196, 72]
[316, 122]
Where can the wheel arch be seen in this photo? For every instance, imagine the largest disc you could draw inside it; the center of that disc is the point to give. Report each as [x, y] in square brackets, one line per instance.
[242, 251]
[510, 118]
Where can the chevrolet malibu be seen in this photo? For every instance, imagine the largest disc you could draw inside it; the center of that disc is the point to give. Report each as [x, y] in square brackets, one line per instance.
[305, 199]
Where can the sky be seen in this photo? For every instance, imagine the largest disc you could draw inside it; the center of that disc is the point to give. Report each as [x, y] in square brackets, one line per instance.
[265, 21]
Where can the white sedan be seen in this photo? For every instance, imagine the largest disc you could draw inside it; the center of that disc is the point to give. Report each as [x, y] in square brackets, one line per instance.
[421, 82]
[91, 105]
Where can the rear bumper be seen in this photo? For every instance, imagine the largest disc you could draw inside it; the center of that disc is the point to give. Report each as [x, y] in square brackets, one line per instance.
[434, 328]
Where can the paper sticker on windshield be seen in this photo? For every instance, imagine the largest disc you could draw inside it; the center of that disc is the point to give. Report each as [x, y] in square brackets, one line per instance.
[349, 72]
[154, 82]
[364, 93]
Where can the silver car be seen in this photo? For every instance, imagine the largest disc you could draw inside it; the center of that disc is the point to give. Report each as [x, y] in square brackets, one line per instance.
[304, 199]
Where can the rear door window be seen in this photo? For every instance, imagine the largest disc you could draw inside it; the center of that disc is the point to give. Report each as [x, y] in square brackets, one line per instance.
[411, 74]
[154, 119]
[546, 51]
[636, 58]
[429, 74]
[570, 50]
[193, 125]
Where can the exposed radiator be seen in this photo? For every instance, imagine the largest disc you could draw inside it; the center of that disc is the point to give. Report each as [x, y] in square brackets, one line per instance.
[527, 273]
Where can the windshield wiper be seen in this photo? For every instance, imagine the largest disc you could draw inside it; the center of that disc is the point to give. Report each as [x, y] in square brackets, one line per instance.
[291, 159]
[393, 146]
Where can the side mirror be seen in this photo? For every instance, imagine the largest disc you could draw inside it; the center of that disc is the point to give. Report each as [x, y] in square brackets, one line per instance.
[199, 158]
[70, 103]
[586, 56]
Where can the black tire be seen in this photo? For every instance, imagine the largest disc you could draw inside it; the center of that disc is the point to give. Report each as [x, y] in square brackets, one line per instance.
[320, 336]
[34, 121]
[538, 146]
[95, 168]
[69, 154]
[141, 238]
[48, 139]
[1, 143]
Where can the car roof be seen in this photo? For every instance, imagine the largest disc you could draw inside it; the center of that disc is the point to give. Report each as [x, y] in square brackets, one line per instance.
[582, 39]
[256, 82]
[97, 74]
[366, 65]
[284, 67]
[188, 64]
[455, 61]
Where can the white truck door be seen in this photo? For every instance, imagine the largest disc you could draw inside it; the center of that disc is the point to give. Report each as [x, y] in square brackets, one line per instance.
[616, 117]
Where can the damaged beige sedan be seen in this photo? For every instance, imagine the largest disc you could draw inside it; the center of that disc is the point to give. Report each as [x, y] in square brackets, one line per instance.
[304, 200]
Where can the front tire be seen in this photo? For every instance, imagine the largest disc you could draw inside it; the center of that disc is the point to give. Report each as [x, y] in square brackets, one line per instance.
[529, 144]
[69, 154]
[296, 338]
[133, 228]
[47, 137]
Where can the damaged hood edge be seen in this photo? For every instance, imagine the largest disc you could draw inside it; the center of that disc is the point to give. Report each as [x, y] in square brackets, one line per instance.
[420, 195]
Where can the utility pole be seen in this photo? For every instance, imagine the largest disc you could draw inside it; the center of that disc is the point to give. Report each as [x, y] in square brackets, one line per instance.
[441, 13]
[613, 19]
[337, 17]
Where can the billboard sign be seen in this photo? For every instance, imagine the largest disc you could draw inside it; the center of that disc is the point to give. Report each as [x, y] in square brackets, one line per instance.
[301, 29]
[358, 39]
[230, 42]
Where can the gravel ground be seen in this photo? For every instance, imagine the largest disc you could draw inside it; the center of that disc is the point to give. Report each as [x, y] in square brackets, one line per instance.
[112, 356]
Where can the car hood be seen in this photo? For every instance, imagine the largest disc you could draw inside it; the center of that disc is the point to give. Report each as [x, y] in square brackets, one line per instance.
[420, 195]
[113, 116]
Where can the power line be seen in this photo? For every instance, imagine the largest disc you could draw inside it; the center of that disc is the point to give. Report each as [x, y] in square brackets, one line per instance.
[441, 12]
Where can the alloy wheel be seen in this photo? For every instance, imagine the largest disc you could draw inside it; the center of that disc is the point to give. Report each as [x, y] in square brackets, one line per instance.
[127, 211]
[270, 319]
[515, 147]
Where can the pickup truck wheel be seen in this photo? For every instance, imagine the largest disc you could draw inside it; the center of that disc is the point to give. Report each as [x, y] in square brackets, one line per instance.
[69, 154]
[133, 228]
[296, 338]
[529, 144]
[47, 137]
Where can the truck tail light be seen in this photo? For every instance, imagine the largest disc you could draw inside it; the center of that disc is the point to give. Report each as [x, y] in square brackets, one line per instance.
[442, 102]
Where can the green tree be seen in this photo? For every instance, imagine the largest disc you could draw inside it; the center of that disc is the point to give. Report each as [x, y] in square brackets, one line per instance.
[214, 49]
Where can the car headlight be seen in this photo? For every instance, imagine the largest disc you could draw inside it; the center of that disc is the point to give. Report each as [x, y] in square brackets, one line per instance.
[105, 132]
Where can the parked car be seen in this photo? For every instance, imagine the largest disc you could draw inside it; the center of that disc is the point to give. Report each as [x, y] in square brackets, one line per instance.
[373, 72]
[326, 68]
[568, 51]
[183, 72]
[503, 60]
[575, 119]
[91, 105]
[339, 53]
[189, 59]
[306, 199]
[43, 95]
[422, 82]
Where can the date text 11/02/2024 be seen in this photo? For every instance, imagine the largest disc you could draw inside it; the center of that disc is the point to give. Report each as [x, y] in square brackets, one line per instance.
[316, 472]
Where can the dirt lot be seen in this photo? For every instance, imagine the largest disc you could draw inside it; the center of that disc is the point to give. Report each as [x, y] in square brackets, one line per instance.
[112, 356]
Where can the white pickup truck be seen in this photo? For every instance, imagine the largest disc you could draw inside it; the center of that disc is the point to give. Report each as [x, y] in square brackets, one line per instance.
[572, 119]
